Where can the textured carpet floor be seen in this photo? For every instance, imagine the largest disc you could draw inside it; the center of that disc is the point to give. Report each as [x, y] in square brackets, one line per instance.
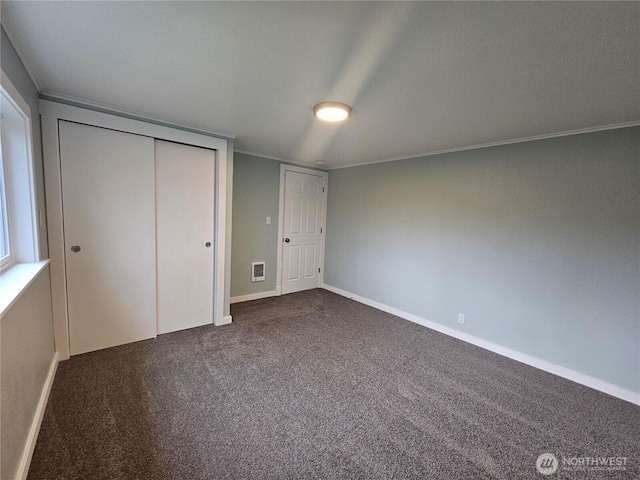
[313, 385]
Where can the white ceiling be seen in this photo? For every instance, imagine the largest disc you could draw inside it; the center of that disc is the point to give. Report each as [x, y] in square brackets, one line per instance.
[421, 77]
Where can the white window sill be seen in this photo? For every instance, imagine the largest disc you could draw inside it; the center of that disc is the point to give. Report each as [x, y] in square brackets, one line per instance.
[15, 280]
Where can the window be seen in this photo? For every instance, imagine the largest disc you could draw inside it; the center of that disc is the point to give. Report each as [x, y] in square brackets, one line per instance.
[18, 225]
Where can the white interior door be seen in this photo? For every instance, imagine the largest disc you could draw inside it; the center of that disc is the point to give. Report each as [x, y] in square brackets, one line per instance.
[184, 215]
[303, 211]
[109, 229]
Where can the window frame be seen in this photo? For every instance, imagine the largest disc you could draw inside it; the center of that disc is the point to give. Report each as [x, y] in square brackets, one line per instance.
[18, 180]
[5, 228]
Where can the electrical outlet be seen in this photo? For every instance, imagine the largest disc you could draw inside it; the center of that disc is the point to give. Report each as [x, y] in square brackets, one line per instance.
[461, 318]
[268, 220]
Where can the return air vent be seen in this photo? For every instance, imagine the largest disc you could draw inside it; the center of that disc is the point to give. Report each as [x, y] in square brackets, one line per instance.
[257, 272]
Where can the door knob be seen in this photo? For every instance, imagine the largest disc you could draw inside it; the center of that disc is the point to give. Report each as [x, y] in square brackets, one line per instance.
[75, 248]
[208, 244]
[287, 240]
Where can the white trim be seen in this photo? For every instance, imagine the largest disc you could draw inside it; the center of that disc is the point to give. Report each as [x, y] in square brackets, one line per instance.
[55, 233]
[226, 320]
[26, 247]
[80, 103]
[51, 113]
[495, 144]
[30, 445]
[581, 378]
[13, 92]
[220, 225]
[325, 176]
[253, 296]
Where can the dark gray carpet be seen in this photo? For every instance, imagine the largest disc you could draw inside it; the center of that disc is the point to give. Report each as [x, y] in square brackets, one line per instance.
[313, 385]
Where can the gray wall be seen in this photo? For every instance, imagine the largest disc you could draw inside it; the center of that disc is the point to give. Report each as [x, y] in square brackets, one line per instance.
[256, 184]
[538, 243]
[27, 345]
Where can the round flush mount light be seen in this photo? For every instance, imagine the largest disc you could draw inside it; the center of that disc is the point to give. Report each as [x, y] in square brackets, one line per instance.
[332, 111]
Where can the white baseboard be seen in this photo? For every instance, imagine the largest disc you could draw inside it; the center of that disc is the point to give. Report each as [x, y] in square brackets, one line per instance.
[614, 390]
[27, 453]
[253, 296]
[226, 320]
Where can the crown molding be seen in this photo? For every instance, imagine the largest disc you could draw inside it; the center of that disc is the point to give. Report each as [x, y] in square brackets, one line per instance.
[496, 144]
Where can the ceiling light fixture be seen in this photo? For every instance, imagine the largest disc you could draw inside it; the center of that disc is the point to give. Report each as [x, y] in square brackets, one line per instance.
[332, 111]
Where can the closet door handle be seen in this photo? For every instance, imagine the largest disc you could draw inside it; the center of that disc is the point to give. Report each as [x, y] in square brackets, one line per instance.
[75, 248]
[208, 244]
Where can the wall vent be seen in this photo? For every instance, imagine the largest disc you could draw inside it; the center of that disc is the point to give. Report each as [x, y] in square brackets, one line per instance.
[257, 272]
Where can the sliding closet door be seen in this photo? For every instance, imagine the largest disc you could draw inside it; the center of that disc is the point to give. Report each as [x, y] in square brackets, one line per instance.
[184, 215]
[109, 228]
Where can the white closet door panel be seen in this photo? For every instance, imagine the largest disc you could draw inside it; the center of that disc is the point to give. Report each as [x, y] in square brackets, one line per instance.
[185, 179]
[108, 201]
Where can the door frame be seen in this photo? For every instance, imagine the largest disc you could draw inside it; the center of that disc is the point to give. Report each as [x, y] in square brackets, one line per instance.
[323, 223]
[50, 113]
